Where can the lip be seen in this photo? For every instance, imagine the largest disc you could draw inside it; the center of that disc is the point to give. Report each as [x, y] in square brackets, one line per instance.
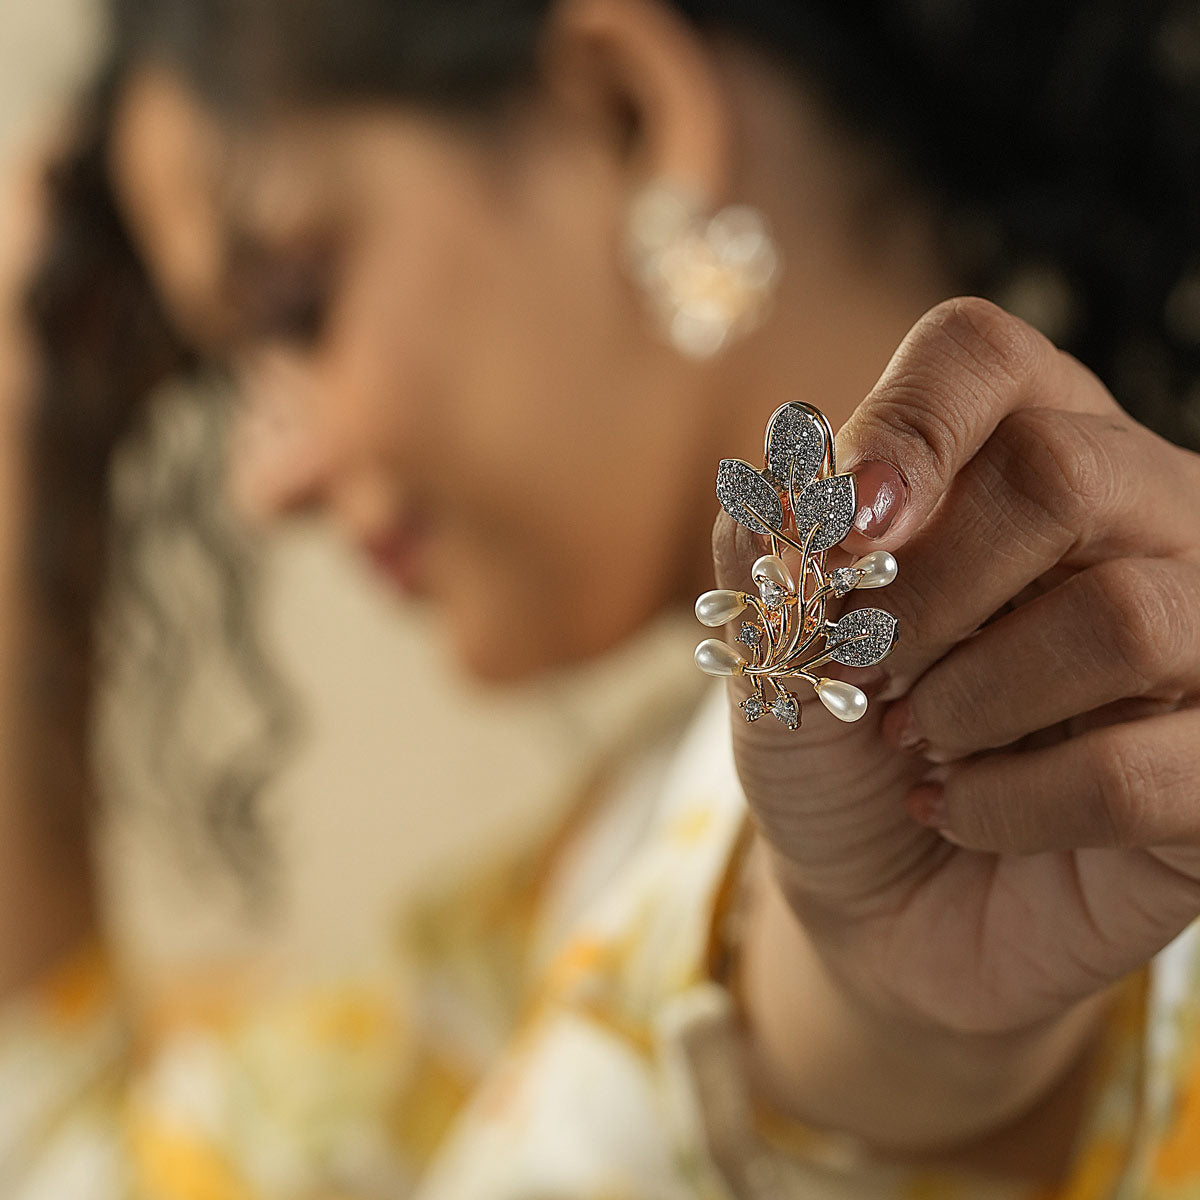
[397, 555]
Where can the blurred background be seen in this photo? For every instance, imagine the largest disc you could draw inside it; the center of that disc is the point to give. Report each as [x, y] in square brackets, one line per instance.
[406, 776]
[45, 46]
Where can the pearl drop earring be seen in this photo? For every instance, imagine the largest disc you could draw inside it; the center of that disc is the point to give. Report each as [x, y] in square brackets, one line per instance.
[708, 279]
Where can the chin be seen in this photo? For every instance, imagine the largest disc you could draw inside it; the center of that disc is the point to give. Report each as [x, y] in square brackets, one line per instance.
[514, 656]
[505, 661]
[497, 670]
[531, 632]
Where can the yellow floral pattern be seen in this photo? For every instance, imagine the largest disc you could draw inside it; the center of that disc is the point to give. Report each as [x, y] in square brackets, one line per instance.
[505, 1064]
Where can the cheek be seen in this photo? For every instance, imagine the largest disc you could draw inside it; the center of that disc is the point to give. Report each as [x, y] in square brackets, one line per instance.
[576, 536]
[557, 490]
[500, 362]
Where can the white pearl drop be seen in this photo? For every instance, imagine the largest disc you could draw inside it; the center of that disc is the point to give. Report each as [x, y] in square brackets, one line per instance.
[715, 608]
[715, 657]
[844, 700]
[881, 569]
[772, 567]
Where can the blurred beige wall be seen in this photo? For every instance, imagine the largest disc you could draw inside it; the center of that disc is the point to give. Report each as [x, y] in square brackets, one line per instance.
[44, 45]
[410, 773]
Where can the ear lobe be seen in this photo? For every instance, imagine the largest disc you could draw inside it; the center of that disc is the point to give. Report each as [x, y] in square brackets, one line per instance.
[649, 77]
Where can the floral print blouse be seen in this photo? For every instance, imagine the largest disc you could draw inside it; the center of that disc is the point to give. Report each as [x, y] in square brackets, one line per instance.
[554, 1029]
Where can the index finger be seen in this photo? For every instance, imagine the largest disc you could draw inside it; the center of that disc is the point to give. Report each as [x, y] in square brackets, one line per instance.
[963, 368]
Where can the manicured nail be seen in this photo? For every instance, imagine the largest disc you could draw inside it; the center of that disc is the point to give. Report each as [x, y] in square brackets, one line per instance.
[901, 730]
[882, 493]
[926, 805]
[939, 756]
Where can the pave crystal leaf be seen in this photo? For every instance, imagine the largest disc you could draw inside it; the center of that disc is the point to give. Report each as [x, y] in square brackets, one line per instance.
[739, 485]
[796, 445]
[753, 707]
[863, 637]
[829, 504]
[786, 709]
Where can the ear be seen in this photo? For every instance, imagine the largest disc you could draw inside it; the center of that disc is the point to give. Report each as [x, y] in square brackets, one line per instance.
[164, 161]
[649, 80]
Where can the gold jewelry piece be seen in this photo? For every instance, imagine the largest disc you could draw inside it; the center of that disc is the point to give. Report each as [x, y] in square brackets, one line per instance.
[787, 635]
[709, 279]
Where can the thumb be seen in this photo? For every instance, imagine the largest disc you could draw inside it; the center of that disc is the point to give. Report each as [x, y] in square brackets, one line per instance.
[735, 550]
[963, 368]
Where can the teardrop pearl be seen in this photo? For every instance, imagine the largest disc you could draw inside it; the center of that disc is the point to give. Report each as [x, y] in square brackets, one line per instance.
[844, 700]
[772, 567]
[715, 657]
[715, 608]
[881, 569]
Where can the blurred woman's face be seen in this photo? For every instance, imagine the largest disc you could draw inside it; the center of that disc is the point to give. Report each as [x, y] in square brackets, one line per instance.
[436, 345]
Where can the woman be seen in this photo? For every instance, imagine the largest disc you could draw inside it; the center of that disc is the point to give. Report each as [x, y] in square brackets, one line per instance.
[459, 242]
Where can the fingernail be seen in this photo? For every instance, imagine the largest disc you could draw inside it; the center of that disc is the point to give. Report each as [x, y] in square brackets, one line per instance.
[882, 493]
[939, 756]
[901, 730]
[926, 804]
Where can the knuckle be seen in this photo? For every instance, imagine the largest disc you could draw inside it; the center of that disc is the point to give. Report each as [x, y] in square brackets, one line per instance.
[1124, 779]
[1054, 466]
[964, 359]
[1141, 616]
[946, 709]
[984, 337]
[923, 418]
[929, 618]
[999, 827]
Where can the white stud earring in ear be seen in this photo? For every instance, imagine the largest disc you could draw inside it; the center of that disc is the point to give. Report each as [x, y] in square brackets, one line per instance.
[708, 279]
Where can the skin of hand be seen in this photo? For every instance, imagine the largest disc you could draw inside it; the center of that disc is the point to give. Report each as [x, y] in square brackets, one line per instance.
[929, 961]
[46, 898]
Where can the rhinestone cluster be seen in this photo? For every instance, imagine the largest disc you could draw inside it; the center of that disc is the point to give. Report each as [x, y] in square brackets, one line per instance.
[800, 502]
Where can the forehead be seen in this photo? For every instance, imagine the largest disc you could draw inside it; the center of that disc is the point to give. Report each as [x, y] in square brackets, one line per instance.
[206, 200]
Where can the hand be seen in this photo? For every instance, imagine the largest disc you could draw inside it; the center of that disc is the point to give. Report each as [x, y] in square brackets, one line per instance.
[1049, 584]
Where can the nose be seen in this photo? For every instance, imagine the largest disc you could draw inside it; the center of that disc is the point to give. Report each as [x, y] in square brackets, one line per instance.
[277, 464]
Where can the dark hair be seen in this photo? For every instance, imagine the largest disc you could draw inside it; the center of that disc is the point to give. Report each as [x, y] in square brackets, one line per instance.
[105, 348]
[1059, 142]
